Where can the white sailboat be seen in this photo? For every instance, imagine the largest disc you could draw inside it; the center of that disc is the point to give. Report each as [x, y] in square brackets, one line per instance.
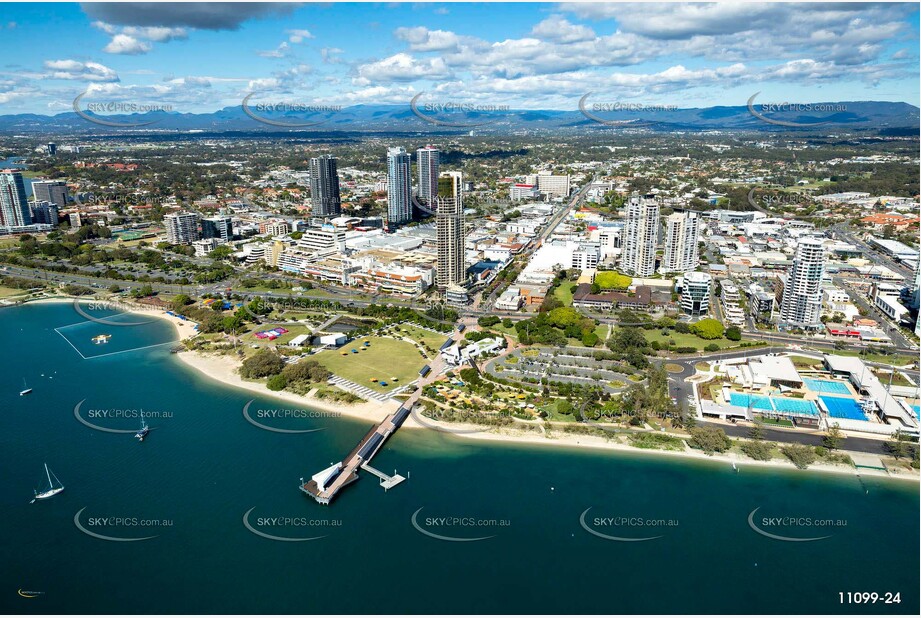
[52, 490]
[25, 388]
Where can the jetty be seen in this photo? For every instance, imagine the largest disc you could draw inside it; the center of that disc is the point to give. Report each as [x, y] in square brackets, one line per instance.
[326, 484]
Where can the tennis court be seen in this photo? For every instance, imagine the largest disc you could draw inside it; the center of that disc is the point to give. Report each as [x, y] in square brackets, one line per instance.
[843, 407]
[827, 386]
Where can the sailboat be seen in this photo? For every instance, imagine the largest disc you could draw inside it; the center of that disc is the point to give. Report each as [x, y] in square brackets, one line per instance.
[52, 490]
[143, 431]
[25, 388]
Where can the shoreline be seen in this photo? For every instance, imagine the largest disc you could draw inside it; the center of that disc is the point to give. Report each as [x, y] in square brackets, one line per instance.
[561, 439]
[223, 369]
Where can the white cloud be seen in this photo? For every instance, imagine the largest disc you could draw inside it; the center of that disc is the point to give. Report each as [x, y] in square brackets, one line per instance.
[83, 71]
[557, 28]
[133, 40]
[401, 67]
[298, 36]
[279, 52]
[128, 45]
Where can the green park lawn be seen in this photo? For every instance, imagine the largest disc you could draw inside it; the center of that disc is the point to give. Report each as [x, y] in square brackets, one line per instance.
[562, 293]
[688, 339]
[384, 359]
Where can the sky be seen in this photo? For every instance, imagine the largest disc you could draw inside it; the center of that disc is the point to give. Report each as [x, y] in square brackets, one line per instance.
[200, 57]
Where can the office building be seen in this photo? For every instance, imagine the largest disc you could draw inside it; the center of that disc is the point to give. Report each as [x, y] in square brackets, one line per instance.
[220, 227]
[695, 293]
[181, 228]
[54, 191]
[399, 188]
[681, 249]
[801, 304]
[449, 223]
[324, 187]
[14, 205]
[45, 212]
[427, 166]
[641, 236]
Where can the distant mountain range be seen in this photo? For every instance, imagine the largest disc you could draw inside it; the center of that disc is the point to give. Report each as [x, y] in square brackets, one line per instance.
[868, 116]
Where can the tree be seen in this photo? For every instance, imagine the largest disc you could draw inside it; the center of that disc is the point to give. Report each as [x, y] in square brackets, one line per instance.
[708, 328]
[710, 440]
[306, 371]
[898, 447]
[756, 431]
[277, 382]
[180, 301]
[833, 438]
[734, 333]
[262, 364]
[488, 320]
[800, 454]
[757, 449]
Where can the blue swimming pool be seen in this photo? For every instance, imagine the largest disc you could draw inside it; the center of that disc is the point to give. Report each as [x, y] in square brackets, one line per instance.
[780, 404]
[826, 386]
[842, 407]
[917, 410]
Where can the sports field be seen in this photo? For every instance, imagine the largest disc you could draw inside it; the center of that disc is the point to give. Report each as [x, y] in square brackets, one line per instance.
[384, 359]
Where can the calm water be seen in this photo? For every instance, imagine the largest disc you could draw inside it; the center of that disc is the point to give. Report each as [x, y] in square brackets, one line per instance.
[204, 466]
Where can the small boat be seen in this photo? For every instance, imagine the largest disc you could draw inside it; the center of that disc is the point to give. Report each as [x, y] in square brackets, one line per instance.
[25, 389]
[143, 431]
[52, 490]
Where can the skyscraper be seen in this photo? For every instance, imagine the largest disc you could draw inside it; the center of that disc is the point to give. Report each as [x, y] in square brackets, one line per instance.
[449, 223]
[681, 251]
[54, 191]
[220, 227]
[45, 212]
[324, 187]
[181, 228]
[14, 204]
[641, 236]
[427, 164]
[801, 304]
[399, 187]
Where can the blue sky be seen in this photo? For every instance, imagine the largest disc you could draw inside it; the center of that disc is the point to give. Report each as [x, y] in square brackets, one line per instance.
[196, 58]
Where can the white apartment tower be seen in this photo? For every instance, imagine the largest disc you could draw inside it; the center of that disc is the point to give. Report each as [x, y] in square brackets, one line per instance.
[801, 305]
[181, 228]
[681, 251]
[399, 187]
[641, 236]
[449, 220]
[427, 166]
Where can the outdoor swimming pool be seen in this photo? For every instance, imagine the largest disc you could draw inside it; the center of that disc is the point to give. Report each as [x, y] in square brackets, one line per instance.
[842, 407]
[774, 404]
[827, 386]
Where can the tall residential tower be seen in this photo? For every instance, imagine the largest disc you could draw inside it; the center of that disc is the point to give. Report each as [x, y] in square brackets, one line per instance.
[449, 220]
[801, 305]
[324, 187]
[14, 204]
[427, 165]
[399, 187]
[681, 251]
[641, 236]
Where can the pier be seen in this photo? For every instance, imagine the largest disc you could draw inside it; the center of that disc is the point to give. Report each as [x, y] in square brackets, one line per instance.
[326, 484]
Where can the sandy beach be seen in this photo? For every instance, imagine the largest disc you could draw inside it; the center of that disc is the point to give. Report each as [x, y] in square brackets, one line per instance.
[224, 370]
